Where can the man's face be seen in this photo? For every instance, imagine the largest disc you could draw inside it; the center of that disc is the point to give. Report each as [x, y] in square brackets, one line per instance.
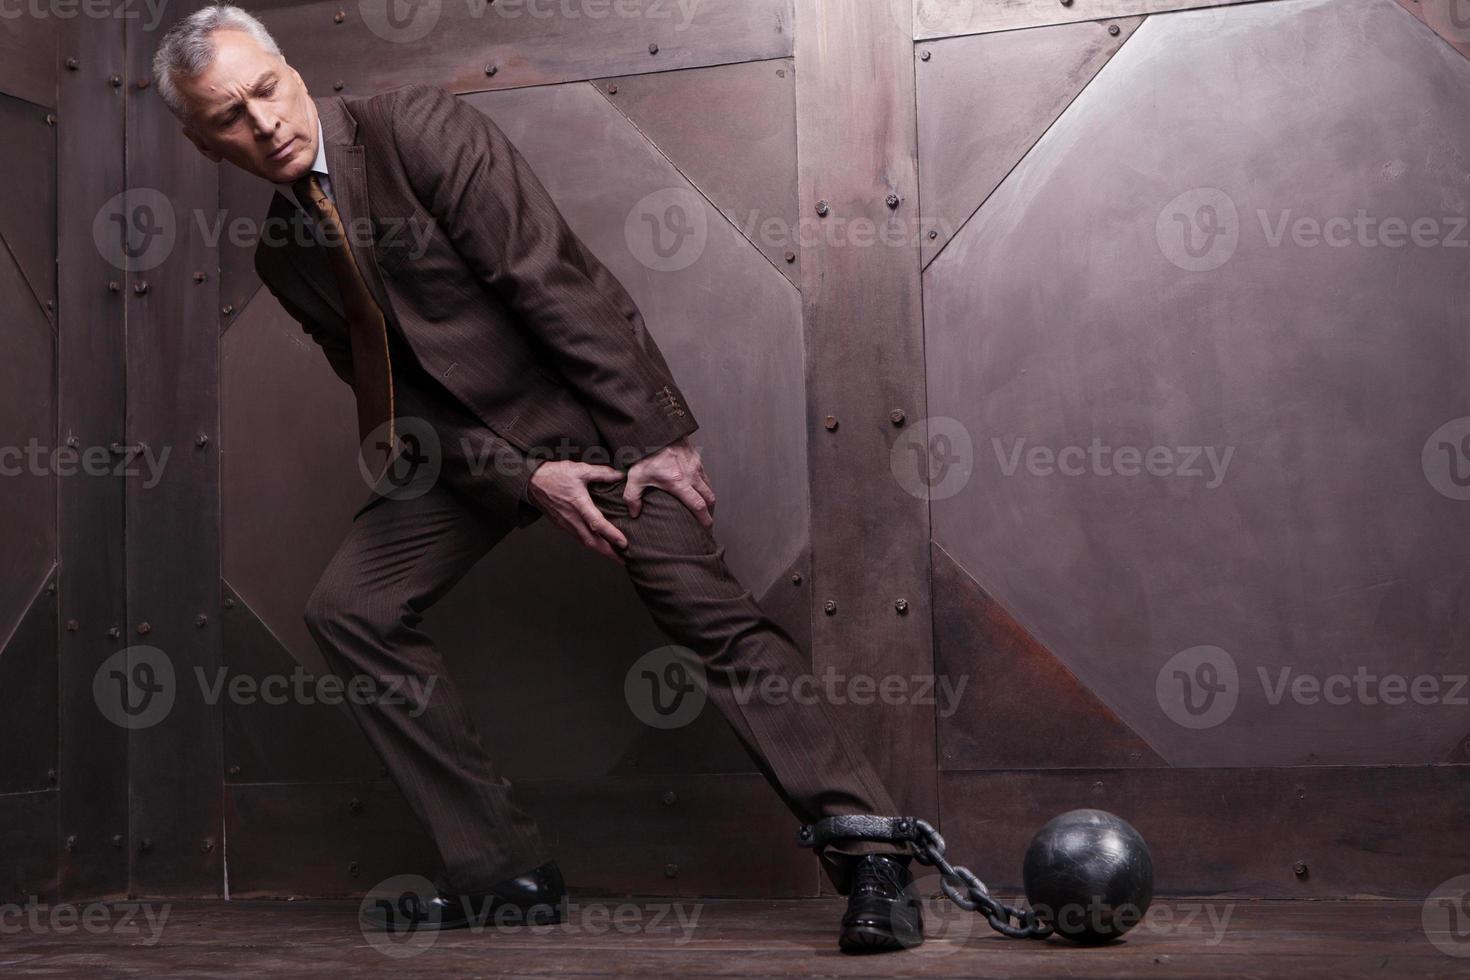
[251, 109]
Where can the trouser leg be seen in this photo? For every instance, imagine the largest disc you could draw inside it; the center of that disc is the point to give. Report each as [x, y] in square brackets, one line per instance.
[678, 569]
[399, 558]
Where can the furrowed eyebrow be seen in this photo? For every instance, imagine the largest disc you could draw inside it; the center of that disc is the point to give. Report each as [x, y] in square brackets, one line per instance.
[267, 77]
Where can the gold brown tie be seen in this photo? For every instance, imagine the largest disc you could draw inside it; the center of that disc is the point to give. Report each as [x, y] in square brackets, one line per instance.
[372, 366]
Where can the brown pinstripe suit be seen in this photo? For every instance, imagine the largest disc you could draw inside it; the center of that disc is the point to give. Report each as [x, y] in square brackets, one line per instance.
[507, 333]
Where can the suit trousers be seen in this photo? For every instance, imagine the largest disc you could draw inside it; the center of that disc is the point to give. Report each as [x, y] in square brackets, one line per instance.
[403, 553]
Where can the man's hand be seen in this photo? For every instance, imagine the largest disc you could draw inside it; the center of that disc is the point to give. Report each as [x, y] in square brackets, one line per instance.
[677, 469]
[559, 490]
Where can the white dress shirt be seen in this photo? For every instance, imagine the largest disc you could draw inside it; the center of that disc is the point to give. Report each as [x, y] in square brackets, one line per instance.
[319, 166]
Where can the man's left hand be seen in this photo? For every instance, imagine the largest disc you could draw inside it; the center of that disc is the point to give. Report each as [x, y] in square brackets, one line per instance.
[676, 468]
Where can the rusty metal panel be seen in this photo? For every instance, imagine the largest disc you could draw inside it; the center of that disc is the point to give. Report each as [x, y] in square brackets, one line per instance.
[28, 847]
[861, 302]
[245, 199]
[28, 671]
[985, 100]
[28, 219]
[1356, 831]
[731, 131]
[94, 779]
[479, 46]
[1450, 19]
[1074, 308]
[172, 515]
[28, 59]
[943, 18]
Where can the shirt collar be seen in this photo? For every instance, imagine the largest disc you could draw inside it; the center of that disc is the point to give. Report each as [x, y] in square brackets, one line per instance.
[319, 165]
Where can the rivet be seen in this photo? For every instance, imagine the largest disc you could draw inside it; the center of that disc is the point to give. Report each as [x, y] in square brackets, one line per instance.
[71, 842]
[72, 625]
[902, 605]
[790, 256]
[352, 868]
[117, 840]
[200, 276]
[145, 845]
[1114, 30]
[355, 805]
[114, 633]
[926, 55]
[73, 441]
[830, 607]
[338, 17]
[229, 603]
[228, 309]
[201, 440]
[72, 64]
[933, 234]
[113, 286]
[670, 798]
[780, 72]
[896, 416]
[1066, 3]
[830, 423]
[612, 88]
[892, 200]
[144, 628]
[51, 304]
[671, 871]
[233, 770]
[653, 49]
[50, 119]
[201, 621]
[50, 588]
[823, 208]
[115, 81]
[795, 578]
[207, 845]
[140, 287]
[338, 86]
[1299, 869]
[491, 69]
[50, 775]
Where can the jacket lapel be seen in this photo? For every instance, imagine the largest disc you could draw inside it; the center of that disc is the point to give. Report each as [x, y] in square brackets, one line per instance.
[347, 169]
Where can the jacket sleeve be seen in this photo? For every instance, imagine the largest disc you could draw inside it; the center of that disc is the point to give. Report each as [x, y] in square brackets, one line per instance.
[484, 196]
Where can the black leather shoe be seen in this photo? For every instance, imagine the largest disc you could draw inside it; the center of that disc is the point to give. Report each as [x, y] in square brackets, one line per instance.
[535, 898]
[882, 911]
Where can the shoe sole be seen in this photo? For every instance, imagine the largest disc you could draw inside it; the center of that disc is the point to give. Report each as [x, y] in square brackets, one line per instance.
[870, 939]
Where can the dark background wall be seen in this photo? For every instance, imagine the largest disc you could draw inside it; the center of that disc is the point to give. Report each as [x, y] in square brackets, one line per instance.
[883, 244]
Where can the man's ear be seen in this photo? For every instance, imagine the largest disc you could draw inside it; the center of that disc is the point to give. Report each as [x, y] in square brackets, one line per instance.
[201, 146]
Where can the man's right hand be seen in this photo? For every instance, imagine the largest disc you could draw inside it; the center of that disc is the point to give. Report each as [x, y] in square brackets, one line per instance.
[559, 490]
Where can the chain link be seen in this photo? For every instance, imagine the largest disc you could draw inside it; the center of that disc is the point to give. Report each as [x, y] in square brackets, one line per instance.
[959, 883]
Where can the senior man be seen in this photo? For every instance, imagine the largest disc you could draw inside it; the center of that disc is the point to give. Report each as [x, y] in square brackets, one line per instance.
[495, 327]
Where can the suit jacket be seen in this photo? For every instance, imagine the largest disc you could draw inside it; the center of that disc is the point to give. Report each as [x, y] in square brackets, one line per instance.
[476, 269]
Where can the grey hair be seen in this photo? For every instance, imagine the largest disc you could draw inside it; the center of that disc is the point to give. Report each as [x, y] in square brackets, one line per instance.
[188, 48]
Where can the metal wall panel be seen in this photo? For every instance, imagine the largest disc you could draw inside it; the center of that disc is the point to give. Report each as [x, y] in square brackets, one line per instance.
[1072, 308]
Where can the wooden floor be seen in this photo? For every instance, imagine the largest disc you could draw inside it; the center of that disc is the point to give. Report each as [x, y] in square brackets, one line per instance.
[692, 938]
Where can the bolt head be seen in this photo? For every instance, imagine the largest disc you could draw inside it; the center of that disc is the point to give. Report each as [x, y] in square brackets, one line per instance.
[671, 871]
